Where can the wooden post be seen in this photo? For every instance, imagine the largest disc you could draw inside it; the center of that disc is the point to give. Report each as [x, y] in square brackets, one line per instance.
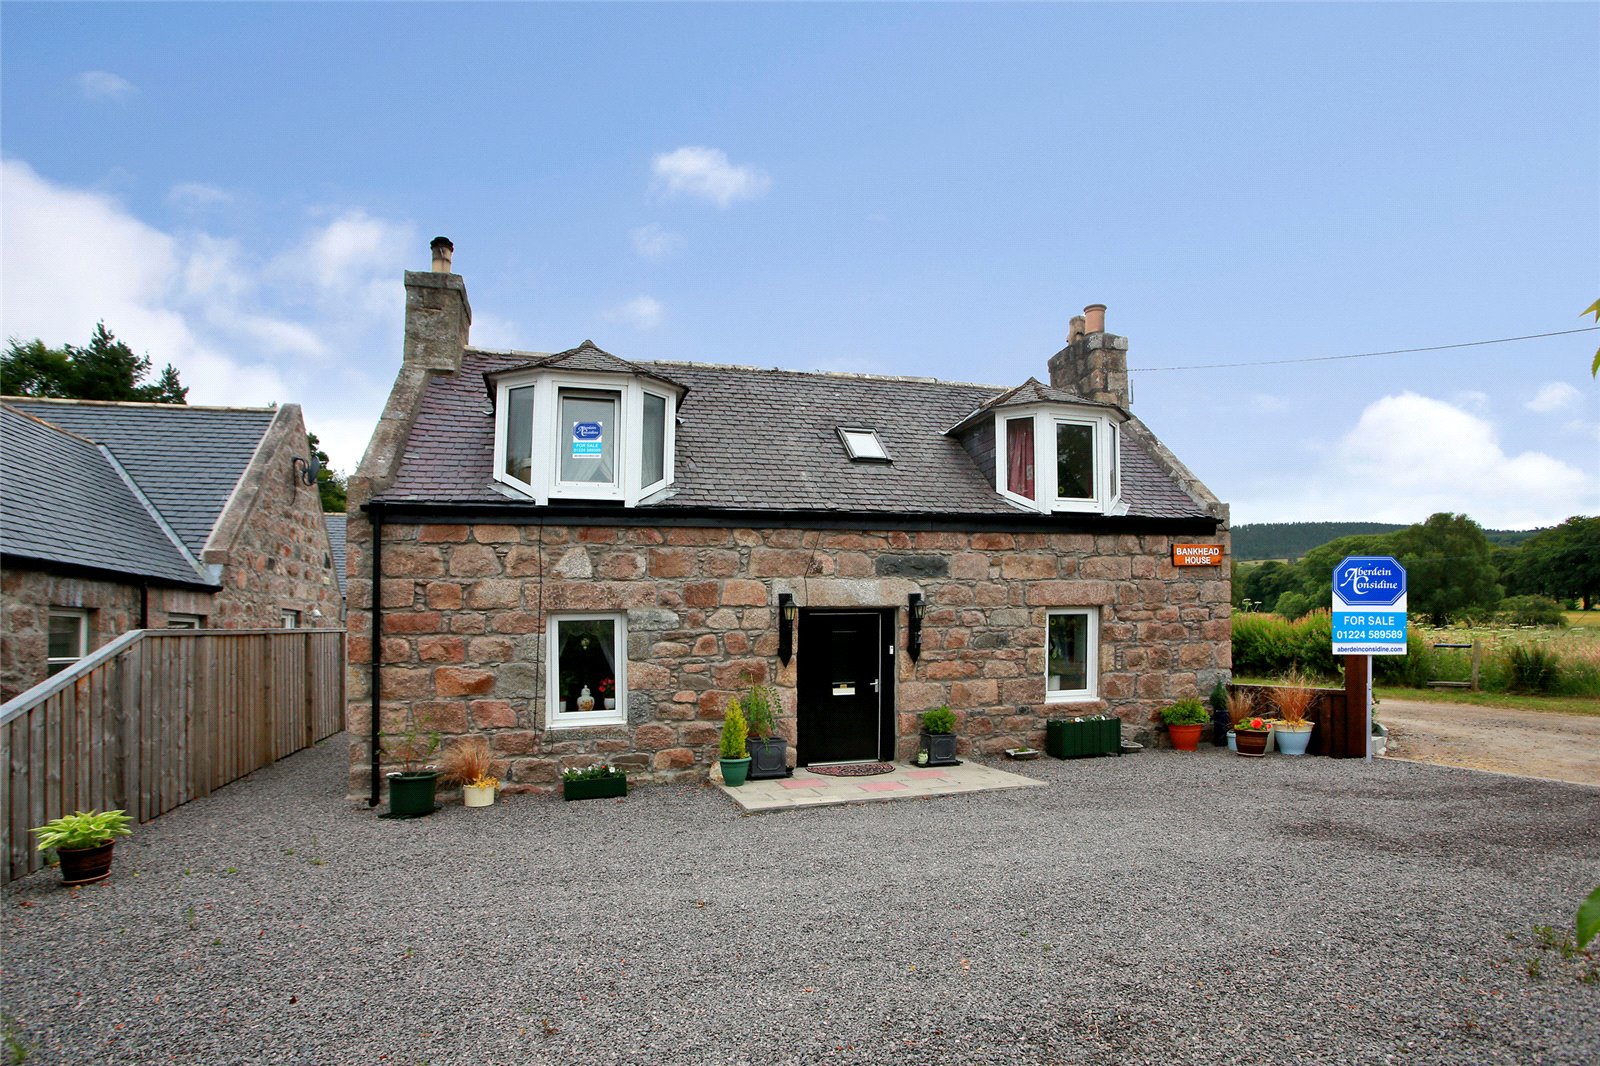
[1353, 740]
[1477, 661]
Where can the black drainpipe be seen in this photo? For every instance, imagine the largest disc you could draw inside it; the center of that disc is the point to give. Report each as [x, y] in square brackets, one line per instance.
[375, 517]
[144, 605]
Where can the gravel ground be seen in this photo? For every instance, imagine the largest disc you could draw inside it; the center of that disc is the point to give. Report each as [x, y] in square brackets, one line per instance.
[1163, 908]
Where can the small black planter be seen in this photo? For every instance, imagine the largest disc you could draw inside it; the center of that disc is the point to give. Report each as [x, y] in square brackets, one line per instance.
[1221, 722]
[411, 794]
[941, 748]
[768, 758]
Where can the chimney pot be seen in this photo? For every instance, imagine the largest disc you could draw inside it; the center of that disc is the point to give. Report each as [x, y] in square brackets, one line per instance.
[443, 249]
[1095, 318]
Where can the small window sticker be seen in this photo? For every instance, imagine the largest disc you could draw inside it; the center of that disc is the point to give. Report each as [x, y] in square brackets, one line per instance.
[587, 440]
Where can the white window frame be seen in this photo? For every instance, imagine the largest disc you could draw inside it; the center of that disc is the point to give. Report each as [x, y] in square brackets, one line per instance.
[1107, 458]
[185, 621]
[1092, 662]
[289, 617]
[555, 716]
[54, 664]
[549, 437]
[863, 457]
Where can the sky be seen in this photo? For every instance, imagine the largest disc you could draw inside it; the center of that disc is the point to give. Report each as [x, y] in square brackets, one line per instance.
[893, 189]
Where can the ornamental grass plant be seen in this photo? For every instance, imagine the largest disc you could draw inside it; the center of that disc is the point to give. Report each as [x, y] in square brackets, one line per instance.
[467, 762]
[1293, 698]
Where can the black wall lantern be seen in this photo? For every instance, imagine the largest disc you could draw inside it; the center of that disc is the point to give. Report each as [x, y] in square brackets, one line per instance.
[914, 611]
[787, 613]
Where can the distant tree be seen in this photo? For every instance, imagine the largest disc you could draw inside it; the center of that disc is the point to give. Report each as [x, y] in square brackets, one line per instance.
[330, 483]
[104, 369]
[1262, 584]
[1563, 563]
[1449, 567]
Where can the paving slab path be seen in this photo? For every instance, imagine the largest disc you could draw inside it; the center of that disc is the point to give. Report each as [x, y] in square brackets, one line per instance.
[1562, 747]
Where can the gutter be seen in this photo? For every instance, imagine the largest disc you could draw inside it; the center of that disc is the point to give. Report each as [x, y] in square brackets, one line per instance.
[374, 511]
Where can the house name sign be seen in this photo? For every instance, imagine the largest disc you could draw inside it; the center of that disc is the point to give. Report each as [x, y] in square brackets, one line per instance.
[1369, 606]
[1197, 555]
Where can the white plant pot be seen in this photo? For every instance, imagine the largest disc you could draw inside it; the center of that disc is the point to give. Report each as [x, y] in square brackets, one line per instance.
[611, 704]
[475, 796]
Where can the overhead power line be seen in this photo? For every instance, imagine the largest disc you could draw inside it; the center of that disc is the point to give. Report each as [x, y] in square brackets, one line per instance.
[1364, 355]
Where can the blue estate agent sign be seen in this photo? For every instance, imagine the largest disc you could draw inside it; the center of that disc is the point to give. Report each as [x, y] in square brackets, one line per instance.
[1369, 606]
[587, 440]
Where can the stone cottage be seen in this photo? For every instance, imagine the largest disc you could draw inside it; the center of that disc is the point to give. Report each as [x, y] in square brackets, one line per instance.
[121, 516]
[583, 557]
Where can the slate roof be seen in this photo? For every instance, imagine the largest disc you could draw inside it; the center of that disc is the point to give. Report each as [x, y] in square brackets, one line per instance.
[753, 439]
[186, 460]
[586, 357]
[62, 500]
[335, 521]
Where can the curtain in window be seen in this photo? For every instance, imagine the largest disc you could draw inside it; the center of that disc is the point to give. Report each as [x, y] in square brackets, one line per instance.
[1019, 456]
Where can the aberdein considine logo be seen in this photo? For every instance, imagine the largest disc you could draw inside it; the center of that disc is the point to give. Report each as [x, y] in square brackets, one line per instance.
[1369, 581]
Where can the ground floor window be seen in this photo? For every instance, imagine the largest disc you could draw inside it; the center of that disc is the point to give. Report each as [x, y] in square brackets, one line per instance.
[185, 621]
[291, 619]
[587, 670]
[69, 638]
[1072, 641]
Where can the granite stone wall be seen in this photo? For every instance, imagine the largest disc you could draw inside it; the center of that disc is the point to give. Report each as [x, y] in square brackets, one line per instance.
[465, 607]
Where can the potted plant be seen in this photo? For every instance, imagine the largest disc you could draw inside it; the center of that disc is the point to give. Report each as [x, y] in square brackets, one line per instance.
[1252, 735]
[769, 752]
[599, 781]
[1293, 699]
[735, 754]
[938, 737]
[1184, 720]
[1239, 708]
[608, 693]
[83, 842]
[467, 763]
[412, 788]
[1221, 721]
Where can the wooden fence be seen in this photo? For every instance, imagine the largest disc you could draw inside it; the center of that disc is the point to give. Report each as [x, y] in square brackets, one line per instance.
[157, 718]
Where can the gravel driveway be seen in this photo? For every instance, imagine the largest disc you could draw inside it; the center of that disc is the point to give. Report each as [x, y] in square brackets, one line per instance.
[1565, 747]
[1164, 907]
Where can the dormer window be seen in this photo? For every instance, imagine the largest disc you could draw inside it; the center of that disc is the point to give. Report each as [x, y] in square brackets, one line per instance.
[1059, 458]
[592, 434]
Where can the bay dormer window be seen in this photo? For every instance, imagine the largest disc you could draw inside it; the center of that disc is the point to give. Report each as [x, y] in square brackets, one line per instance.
[1059, 458]
[562, 434]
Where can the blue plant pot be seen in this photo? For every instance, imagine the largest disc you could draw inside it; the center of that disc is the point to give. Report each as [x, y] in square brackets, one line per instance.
[1233, 742]
[1292, 743]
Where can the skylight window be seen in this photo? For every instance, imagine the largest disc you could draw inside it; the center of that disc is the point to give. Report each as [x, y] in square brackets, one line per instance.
[863, 445]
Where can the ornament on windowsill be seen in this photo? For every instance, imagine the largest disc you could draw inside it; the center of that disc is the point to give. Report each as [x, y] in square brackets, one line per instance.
[585, 701]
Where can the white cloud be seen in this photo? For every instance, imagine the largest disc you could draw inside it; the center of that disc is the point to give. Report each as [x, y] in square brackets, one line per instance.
[1552, 397]
[642, 312]
[1409, 456]
[104, 85]
[195, 194]
[706, 173]
[654, 242]
[316, 321]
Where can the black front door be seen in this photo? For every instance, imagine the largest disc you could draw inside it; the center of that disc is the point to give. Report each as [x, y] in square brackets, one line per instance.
[846, 708]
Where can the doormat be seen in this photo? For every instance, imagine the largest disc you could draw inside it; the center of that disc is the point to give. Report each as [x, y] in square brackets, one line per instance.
[854, 769]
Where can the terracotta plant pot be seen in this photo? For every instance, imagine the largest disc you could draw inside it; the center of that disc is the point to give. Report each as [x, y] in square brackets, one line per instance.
[1185, 737]
[82, 866]
[1253, 742]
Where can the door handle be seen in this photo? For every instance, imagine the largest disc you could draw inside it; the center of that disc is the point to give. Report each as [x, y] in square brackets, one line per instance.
[874, 684]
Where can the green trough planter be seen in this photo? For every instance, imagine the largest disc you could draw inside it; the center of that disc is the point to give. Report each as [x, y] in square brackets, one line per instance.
[1079, 738]
[595, 788]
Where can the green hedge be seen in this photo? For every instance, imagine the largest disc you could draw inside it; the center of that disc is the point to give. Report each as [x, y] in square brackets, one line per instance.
[1265, 645]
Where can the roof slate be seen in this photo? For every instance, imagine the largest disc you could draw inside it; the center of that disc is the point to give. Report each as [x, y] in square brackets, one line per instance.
[186, 460]
[335, 521]
[63, 501]
[754, 439]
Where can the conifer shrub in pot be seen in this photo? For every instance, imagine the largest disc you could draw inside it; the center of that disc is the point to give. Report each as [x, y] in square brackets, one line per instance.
[938, 737]
[83, 842]
[769, 752]
[735, 754]
[1184, 720]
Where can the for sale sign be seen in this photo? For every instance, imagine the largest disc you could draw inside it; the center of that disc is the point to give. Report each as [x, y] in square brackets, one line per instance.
[1369, 606]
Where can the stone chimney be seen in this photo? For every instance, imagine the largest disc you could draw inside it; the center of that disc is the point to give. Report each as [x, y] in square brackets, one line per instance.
[437, 313]
[1094, 364]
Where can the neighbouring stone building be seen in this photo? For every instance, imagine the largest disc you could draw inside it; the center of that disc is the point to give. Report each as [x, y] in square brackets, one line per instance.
[550, 529]
[121, 516]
